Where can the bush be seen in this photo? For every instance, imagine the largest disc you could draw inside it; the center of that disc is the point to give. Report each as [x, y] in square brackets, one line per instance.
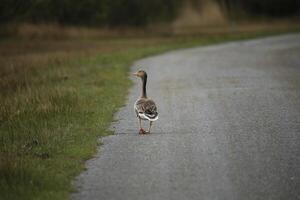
[89, 12]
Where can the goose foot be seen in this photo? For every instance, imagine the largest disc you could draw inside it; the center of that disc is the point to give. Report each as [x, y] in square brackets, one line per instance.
[142, 131]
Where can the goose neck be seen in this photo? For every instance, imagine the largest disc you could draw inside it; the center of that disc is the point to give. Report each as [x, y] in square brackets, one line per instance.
[144, 92]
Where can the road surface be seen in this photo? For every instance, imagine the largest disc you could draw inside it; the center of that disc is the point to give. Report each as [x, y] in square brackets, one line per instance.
[229, 128]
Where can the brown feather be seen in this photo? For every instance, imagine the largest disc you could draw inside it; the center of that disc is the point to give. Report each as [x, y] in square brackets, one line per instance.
[146, 106]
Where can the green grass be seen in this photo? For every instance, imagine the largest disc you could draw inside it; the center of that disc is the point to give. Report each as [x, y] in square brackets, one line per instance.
[54, 106]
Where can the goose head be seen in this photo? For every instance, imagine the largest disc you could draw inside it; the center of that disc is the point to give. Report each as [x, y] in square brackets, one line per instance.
[141, 73]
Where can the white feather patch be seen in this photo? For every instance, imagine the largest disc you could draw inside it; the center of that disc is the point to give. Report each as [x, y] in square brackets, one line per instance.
[145, 117]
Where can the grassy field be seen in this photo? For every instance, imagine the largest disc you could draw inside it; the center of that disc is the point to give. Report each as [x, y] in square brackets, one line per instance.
[58, 96]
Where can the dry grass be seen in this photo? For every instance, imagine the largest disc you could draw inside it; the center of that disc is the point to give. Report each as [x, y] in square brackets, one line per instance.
[21, 57]
[207, 13]
[41, 48]
[190, 22]
[59, 32]
[239, 27]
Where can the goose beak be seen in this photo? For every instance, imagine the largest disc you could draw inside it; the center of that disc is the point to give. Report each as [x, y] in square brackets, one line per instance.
[135, 74]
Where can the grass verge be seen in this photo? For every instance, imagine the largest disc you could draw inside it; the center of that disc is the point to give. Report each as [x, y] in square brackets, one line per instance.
[57, 98]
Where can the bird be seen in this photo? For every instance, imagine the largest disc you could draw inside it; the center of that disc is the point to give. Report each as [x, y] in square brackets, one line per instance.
[145, 108]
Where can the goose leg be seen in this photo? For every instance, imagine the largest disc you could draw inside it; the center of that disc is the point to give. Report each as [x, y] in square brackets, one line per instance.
[142, 131]
[149, 127]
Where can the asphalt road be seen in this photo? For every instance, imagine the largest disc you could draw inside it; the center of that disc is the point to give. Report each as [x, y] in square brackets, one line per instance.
[229, 128]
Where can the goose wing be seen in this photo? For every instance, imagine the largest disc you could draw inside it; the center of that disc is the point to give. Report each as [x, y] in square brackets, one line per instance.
[146, 109]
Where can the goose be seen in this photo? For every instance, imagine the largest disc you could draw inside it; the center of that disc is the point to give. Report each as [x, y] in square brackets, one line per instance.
[144, 107]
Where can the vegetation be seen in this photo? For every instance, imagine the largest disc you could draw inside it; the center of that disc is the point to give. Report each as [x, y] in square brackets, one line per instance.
[128, 12]
[89, 12]
[271, 8]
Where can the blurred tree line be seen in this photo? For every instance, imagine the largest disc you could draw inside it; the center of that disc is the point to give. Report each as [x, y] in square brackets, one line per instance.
[127, 12]
[266, 8]
[89, 12]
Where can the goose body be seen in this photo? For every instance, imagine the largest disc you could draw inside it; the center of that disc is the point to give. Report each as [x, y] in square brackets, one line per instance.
[144, 107]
